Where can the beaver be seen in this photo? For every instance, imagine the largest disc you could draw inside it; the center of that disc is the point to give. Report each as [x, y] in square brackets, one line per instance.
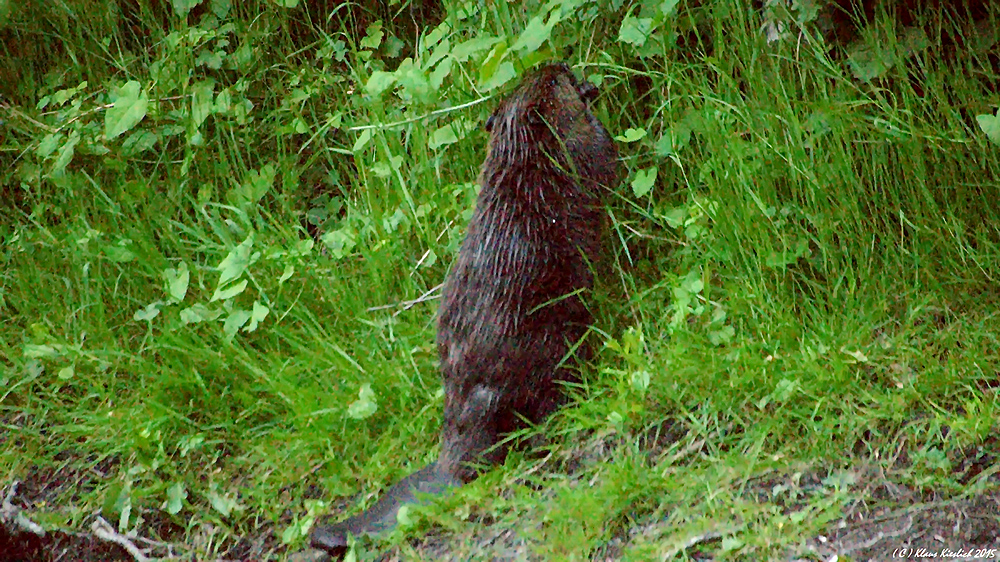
[512, 318]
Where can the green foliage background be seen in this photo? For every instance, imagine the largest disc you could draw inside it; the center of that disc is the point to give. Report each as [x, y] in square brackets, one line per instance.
[806, 251]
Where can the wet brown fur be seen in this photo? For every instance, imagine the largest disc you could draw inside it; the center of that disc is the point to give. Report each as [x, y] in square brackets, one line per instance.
[513, 304]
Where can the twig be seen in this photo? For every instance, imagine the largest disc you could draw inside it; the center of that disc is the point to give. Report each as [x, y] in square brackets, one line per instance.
[10, 512]
[103, 530]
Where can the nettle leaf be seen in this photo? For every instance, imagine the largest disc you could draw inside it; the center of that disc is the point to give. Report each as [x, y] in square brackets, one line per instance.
[128, 110]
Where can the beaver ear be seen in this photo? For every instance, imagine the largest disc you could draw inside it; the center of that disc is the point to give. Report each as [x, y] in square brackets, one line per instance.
[588, 92]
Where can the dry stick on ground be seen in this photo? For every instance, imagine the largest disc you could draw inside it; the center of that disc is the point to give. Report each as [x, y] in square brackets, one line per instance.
[12, 513]
[103, 530]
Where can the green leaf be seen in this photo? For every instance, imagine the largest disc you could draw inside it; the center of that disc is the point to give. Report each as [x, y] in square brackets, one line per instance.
[66, 373]
[990, 124]
[128, 110]
[202, 101]
[199, 313]
[675, 217]
[48, 144]
[363, 139]
[235, 321]
[66, 153]
[463, 51]
[287, 274]
[631, 135]
[183, 7]
[229, 292]
[176, 494]
[443, 136]
[668, 7]
[492, 63]
[692, 283]
[373, 36]
[503, 75]
[258, 315]
[151, 311]
[32, 351]
[365, 405]
[177, 282]
[534, 34]
[236, 262]
[643, 182]
[379, 82]
[635, 31]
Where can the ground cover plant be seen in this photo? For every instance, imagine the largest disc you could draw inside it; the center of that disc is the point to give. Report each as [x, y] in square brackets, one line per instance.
[223, 226]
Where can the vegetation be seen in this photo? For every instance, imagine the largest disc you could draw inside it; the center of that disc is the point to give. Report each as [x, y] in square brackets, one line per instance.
[217, 217]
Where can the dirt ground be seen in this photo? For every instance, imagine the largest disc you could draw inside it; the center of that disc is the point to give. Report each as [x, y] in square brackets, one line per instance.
[884, 520]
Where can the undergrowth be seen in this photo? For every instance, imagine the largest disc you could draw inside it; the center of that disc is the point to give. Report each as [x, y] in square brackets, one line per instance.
[217, 218]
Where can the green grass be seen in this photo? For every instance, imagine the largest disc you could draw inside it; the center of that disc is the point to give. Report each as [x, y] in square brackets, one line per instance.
[806, 291]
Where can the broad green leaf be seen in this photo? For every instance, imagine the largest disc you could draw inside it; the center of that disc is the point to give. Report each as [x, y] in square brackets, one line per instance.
[258, 315]
[127, 111]
[990, 124]
[183, 7]
[379, 82]
[236, 262]
[365, 405]
[492, 63]
[176, 494]
[635, 31]
[363, 139]
[151, 311]
[632, 135]
[534, 34]
[48, 145]
[66, 152]
[443, 136]
[504, 74]
[373, 36]
[643, 182]
[32, 351]
[66, 373]
[202, 101]
[229, 292]
[463, 51]
[177, 281]
[199, 313]
[235, 321]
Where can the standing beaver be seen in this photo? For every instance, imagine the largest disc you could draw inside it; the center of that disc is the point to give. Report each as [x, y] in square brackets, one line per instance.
[512, 310]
